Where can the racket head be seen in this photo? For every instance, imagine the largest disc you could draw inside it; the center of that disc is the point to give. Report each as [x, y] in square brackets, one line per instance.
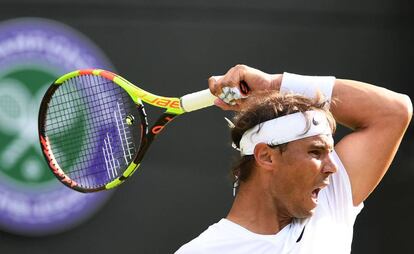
[91, 128]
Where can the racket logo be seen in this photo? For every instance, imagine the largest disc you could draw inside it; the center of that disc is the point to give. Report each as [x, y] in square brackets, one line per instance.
[158, 128]
[53, 163]
[165, 102]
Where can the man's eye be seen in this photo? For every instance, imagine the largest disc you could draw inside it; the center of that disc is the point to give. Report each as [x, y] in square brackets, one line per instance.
[315, 153]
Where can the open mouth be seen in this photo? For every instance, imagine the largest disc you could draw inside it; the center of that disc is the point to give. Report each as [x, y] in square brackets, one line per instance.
[315, 193]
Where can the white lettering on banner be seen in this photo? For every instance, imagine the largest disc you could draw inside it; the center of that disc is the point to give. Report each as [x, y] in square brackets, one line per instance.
[23, 207]
[53, 47]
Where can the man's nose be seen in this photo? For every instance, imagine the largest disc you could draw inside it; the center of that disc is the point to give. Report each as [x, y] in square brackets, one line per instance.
[330, 165]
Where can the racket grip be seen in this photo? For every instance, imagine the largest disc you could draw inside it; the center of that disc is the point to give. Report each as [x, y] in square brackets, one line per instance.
[197, 100]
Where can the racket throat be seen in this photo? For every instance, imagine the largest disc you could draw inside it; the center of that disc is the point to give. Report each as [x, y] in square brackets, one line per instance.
[161, 123]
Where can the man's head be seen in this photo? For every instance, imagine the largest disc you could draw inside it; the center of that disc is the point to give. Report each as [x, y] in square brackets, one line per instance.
[290, 173]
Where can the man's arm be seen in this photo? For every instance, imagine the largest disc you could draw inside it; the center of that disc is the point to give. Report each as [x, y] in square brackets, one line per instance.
[379, 118]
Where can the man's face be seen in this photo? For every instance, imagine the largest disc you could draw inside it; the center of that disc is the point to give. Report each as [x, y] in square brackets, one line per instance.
[302, 171]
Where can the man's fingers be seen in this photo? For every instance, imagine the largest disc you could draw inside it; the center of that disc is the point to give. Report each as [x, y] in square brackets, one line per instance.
[214, 86]
[224, 106]
[230, 95]
[221, 104]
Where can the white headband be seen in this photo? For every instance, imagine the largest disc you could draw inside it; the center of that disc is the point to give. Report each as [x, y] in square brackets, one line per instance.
[285, 129]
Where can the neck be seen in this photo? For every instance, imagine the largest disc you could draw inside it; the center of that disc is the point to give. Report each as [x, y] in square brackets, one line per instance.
[255, 210]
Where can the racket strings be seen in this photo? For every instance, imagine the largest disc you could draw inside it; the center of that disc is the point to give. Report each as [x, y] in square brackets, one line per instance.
[114, 168]
[87, 131]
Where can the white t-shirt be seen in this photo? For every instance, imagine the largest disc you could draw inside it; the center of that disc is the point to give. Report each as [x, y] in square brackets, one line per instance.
[328, 231]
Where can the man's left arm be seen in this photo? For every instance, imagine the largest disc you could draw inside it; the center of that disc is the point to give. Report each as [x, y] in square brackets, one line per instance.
[379, 118]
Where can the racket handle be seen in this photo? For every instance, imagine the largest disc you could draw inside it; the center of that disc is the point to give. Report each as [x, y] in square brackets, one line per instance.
[197, 100]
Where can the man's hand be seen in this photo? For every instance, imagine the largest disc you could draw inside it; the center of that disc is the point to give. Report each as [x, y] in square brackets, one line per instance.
[248, 80]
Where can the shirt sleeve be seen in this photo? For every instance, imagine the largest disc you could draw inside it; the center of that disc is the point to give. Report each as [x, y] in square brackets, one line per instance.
[339, 195]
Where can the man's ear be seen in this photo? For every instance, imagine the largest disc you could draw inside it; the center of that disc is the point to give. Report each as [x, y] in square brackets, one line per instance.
[264, 156]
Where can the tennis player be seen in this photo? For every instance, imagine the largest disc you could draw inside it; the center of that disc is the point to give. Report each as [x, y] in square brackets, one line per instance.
[296, 191]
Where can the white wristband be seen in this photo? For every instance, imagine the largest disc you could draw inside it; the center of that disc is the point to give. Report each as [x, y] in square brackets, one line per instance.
[308, 86]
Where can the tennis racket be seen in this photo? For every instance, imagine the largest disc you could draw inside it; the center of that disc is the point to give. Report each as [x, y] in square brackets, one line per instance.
[94, 131]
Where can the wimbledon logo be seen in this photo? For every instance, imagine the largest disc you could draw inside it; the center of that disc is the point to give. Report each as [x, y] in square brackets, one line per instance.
[33, 53]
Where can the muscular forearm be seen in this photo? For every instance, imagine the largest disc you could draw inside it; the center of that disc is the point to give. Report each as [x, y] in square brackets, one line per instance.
[361, 105]
[358, 105]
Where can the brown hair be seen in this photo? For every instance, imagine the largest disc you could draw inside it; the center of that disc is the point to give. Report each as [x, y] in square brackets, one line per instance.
[264, 107]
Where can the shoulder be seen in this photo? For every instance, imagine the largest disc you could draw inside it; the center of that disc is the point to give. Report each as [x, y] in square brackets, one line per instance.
[200, 244]
[221, 238]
